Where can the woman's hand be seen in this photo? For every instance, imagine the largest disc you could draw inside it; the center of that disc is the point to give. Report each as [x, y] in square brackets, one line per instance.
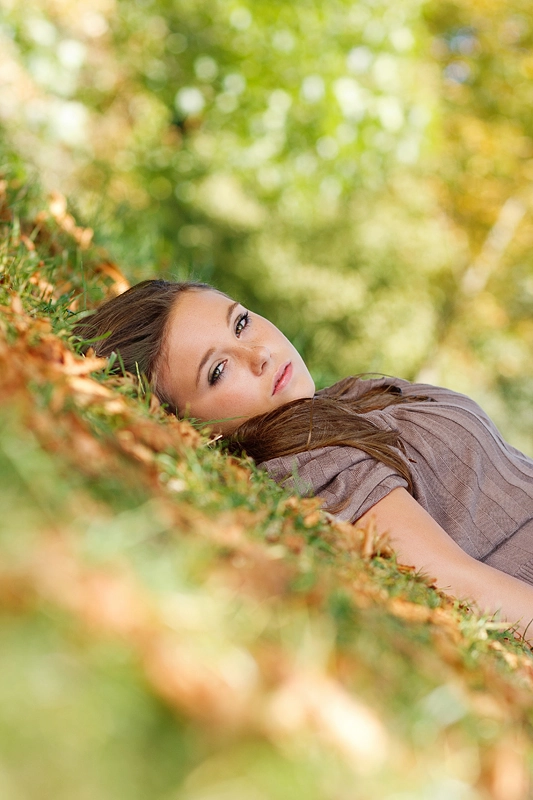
[421, 542]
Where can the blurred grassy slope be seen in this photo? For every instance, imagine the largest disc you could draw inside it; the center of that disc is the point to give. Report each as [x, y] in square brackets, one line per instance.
[357, 172]
[173, 625]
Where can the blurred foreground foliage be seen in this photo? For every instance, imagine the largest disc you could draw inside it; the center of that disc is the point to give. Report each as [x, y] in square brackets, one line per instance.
[357, 172]
[174, 625]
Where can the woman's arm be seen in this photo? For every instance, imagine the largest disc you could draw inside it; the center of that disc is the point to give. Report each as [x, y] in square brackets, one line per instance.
[421, 542]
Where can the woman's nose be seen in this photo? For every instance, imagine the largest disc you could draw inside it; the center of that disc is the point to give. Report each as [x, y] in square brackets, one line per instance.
[258, 358]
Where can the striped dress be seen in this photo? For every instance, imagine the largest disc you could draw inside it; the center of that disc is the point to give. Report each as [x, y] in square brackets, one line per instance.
[474, 484]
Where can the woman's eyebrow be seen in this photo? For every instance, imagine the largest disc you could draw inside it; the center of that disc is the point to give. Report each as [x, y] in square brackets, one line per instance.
[231, 309]
[211, 350]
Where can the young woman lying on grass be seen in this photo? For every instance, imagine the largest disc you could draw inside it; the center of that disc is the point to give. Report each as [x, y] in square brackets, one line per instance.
[425, 464]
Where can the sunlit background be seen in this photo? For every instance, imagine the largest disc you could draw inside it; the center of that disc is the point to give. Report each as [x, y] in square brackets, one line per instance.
[173, 627]
[357, 171]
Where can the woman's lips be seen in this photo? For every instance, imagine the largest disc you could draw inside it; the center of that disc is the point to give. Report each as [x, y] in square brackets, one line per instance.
[282, 377]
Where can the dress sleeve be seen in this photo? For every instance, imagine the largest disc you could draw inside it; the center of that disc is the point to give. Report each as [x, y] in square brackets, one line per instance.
[348, 480]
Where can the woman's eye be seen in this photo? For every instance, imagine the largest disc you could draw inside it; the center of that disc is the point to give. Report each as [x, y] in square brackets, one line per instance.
[242, 322]
[217, 373]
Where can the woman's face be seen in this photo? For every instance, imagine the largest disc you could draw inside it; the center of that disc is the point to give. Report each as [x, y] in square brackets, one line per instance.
[223, 363]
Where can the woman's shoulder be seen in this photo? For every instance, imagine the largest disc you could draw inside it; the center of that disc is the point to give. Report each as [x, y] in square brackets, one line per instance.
[355, 386]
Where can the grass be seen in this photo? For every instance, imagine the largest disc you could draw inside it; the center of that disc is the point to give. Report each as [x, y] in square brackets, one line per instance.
[174, 625]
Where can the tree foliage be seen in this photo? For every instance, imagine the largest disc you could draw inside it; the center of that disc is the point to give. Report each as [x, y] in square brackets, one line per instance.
[272, 149]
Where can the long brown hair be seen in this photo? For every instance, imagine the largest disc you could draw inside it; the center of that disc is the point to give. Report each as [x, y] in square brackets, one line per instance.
[134, 325]
[323, 421]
